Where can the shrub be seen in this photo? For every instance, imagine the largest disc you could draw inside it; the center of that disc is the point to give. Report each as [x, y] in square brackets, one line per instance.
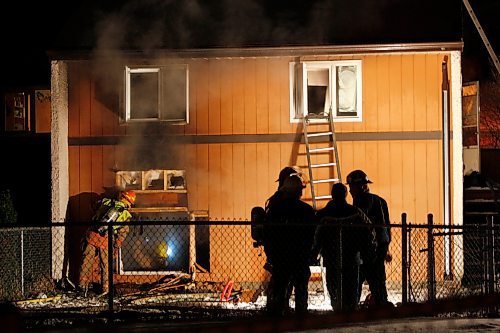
[8, 213]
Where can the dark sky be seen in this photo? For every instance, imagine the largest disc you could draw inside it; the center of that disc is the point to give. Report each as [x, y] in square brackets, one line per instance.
[29, 28]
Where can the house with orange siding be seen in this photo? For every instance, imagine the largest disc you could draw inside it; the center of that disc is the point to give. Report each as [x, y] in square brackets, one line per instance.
[226, 120]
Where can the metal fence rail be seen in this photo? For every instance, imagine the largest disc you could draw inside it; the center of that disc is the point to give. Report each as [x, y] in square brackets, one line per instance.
[215, 265]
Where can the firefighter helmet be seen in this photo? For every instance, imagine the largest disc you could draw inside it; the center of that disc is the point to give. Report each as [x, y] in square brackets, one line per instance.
[290, 171]
[129, 196]
[358, 177]
[292, 185]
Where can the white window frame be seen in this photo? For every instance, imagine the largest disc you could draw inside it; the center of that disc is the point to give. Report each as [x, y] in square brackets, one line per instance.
[298, 83]
[162, 114]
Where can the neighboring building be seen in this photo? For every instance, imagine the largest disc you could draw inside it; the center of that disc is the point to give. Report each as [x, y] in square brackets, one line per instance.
[225, 121]
[25, 142]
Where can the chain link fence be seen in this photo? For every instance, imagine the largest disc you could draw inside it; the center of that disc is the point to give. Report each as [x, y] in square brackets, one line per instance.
[450, 262]
[25, 263]
[196, 267]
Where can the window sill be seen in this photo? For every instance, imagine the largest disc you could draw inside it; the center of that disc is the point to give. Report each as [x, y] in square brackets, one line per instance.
[325, 121]
[161, 191]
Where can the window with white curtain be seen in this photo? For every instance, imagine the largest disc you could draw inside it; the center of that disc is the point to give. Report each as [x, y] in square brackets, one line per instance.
[320, 87]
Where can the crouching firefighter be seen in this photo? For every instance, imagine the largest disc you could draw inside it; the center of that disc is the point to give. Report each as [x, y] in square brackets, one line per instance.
[95, 245]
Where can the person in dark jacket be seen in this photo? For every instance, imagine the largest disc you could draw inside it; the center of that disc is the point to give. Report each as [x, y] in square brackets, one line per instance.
[375, 207]
[288, 237]
[345, 239]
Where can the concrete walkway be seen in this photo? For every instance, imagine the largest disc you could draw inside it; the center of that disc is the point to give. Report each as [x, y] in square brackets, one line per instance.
[421, 325]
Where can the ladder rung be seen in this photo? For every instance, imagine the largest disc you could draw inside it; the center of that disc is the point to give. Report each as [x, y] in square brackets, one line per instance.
[322, 165]
[315, 150]
[319, 134]
[324, 197]
[331, 180]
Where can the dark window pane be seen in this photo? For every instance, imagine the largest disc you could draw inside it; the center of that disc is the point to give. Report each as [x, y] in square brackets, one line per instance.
[174, 93]
[316, 99]
[144, 96]
[202, 234]
[469, 136]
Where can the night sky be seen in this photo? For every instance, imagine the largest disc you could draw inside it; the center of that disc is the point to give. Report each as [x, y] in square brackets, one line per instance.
[29, 29]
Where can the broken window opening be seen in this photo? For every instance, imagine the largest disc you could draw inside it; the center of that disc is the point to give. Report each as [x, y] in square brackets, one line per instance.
[154, 180]
[321, 87]
[129, 180]
[175, 180]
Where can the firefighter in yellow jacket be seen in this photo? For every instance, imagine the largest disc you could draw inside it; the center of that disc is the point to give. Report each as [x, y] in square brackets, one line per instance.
[96, 239]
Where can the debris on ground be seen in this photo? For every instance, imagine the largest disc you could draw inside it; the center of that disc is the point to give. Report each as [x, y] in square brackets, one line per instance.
[171, 281]
[174, 290]
[39, 300]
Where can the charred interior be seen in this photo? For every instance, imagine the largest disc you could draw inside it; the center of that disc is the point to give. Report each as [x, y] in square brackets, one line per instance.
[159, 249]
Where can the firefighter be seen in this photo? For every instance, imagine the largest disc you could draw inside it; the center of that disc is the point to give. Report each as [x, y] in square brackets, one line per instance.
[287, 240]
[375, 207]
[96, 239]
[257, 211]
[290, 171]
[259, 217]
[343, 248]
[284, 174]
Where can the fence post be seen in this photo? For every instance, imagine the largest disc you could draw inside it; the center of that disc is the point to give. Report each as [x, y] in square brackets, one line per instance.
[404, 258]
[490, 246]
[431, 273]
[22, 262]
[110, 270]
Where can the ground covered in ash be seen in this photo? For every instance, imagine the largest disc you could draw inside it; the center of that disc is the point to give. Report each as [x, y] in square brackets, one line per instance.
[172, 300]
[176, 299]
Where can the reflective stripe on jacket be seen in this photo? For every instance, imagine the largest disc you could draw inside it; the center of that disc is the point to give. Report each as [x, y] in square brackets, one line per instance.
[106, 204]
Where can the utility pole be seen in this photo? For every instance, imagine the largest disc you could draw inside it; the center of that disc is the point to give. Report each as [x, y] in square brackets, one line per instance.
[486, 42]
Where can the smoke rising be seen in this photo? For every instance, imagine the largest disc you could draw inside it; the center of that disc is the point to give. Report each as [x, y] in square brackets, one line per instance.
[152, 25]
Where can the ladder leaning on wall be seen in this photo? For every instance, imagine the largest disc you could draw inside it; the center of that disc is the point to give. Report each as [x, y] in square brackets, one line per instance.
[327, 144]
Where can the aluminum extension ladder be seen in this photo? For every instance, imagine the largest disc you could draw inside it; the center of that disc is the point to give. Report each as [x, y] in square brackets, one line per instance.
[328, 144]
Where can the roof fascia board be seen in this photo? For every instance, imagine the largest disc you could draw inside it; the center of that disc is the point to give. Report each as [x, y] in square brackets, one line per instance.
[292, 51]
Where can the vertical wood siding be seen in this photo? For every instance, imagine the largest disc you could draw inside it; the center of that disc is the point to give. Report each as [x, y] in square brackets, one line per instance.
[251, 96]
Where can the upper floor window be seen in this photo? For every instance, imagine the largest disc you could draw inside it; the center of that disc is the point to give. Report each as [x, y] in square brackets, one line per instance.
[157, 93]
[321, 87]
